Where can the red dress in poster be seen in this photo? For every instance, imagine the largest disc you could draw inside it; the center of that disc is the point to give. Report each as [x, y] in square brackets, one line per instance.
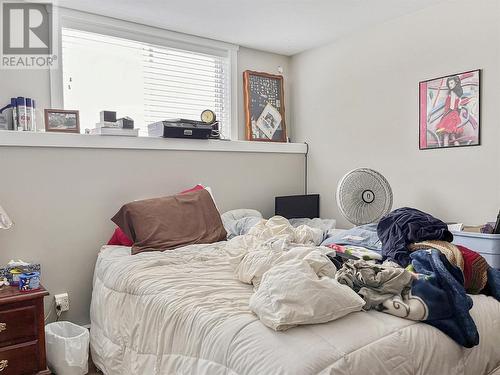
[451, 119]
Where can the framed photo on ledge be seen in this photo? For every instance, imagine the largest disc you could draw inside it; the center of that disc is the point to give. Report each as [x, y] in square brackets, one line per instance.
[264, 102]
[450, 111]
[60, 120]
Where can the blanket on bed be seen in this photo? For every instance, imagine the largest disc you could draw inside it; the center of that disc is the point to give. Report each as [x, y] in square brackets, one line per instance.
[293, 278]
[437, 297]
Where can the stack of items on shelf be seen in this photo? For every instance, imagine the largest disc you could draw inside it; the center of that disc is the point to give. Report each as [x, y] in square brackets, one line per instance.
[18, 115]
[109, 125]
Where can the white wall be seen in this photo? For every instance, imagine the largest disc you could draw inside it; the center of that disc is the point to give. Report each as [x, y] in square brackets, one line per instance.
[28, 83]
[61, 200]
[356, 102]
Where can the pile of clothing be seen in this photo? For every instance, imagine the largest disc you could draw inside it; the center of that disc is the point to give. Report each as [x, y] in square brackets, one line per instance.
[408, 267]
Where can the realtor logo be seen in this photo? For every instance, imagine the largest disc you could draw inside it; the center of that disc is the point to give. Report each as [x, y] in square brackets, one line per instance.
[27, 35]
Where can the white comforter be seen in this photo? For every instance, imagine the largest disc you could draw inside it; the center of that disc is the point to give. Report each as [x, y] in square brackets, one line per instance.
[184, 312]
[294, 280]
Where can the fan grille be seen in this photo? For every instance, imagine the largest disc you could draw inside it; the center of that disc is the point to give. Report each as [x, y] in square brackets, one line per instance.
[364, 196]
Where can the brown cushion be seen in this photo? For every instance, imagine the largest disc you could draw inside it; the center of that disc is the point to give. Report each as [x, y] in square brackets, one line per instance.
[171, 222]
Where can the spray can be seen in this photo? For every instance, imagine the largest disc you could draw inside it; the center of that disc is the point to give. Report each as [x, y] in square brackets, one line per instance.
[33, 116]
[21, 113]
[29, 114]
[15, 118]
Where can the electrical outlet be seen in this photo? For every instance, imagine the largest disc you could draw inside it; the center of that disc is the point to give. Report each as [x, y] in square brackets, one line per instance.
[62, 302]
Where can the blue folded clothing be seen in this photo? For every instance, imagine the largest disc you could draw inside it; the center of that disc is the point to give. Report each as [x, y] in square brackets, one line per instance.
[363, 236]
[441, 288]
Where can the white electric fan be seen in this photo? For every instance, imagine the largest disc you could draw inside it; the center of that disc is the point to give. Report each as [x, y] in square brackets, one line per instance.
[364, 196]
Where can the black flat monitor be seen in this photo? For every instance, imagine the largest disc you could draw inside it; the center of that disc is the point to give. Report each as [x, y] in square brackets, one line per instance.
[297, 206]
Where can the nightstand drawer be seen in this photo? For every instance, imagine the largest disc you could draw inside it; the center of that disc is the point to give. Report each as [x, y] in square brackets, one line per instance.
[19, 359]
[17, 325]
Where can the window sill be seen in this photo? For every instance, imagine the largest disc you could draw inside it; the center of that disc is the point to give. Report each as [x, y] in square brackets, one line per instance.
[63, 140]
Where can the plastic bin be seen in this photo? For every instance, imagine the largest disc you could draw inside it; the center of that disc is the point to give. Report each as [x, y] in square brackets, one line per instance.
[67, 348]
[488, 245]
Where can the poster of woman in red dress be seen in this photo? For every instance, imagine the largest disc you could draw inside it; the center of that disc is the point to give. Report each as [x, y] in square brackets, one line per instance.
[449, 111]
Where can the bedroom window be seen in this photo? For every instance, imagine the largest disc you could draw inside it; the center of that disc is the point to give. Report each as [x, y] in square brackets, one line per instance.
[146, 81]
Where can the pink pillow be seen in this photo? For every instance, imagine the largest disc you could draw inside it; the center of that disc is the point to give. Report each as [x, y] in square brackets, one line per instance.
[120, 239]
[195, 188]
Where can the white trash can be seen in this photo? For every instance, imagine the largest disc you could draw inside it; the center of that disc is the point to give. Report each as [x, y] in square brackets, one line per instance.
[67, 348]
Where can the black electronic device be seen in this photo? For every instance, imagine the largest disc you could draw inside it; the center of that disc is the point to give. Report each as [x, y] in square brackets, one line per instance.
[125, 123]
[180, 128]
[108, 116]
[297, 206]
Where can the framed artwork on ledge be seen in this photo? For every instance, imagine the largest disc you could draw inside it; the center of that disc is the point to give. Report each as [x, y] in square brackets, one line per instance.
[264, 103]
[450, 111]
[60, 120]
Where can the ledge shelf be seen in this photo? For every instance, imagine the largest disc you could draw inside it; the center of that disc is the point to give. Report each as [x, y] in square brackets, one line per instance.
[64, 140]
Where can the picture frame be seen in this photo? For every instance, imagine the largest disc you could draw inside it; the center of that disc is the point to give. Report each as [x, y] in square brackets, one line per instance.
[60, 120]
[264, 105]
[450, 111]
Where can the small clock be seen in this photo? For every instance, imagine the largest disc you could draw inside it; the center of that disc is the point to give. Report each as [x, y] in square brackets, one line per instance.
[208, 116]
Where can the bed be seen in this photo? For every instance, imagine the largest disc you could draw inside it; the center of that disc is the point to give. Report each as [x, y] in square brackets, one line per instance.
[183, 312]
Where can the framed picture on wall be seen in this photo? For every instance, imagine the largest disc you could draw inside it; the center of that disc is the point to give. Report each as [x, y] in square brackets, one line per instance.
[264, 105]
[60, 120]
[450, 111]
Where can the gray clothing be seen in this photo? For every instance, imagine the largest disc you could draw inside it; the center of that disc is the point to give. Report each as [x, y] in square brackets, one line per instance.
[375, 283]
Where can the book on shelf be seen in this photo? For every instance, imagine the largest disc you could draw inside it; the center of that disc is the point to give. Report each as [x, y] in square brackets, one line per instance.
[115, 131]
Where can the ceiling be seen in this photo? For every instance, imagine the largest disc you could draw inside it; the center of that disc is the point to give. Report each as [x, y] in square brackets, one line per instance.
[282, 26]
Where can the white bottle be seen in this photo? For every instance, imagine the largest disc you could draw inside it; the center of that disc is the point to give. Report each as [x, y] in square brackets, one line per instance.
[4, 123]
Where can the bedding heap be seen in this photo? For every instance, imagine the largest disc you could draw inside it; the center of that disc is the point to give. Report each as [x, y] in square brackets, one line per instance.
[293, 279]
[404, 266]
[423, 276]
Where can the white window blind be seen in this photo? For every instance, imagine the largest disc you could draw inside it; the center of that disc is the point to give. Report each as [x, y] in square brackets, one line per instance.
[145, 81]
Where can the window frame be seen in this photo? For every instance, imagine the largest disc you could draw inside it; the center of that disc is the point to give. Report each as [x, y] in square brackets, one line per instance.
[69, 18]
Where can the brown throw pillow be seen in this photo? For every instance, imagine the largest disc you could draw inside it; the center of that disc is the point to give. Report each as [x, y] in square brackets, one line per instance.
[170, 222]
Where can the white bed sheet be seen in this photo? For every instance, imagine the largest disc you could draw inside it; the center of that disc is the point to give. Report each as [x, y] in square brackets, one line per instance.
[183, 312]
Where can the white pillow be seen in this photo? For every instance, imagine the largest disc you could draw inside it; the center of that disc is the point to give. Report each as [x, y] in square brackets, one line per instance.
[292, 293]
[209, 189]
[240, 213]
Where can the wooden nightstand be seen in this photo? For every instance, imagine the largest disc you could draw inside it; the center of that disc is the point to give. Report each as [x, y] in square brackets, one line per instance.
[22, 332]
